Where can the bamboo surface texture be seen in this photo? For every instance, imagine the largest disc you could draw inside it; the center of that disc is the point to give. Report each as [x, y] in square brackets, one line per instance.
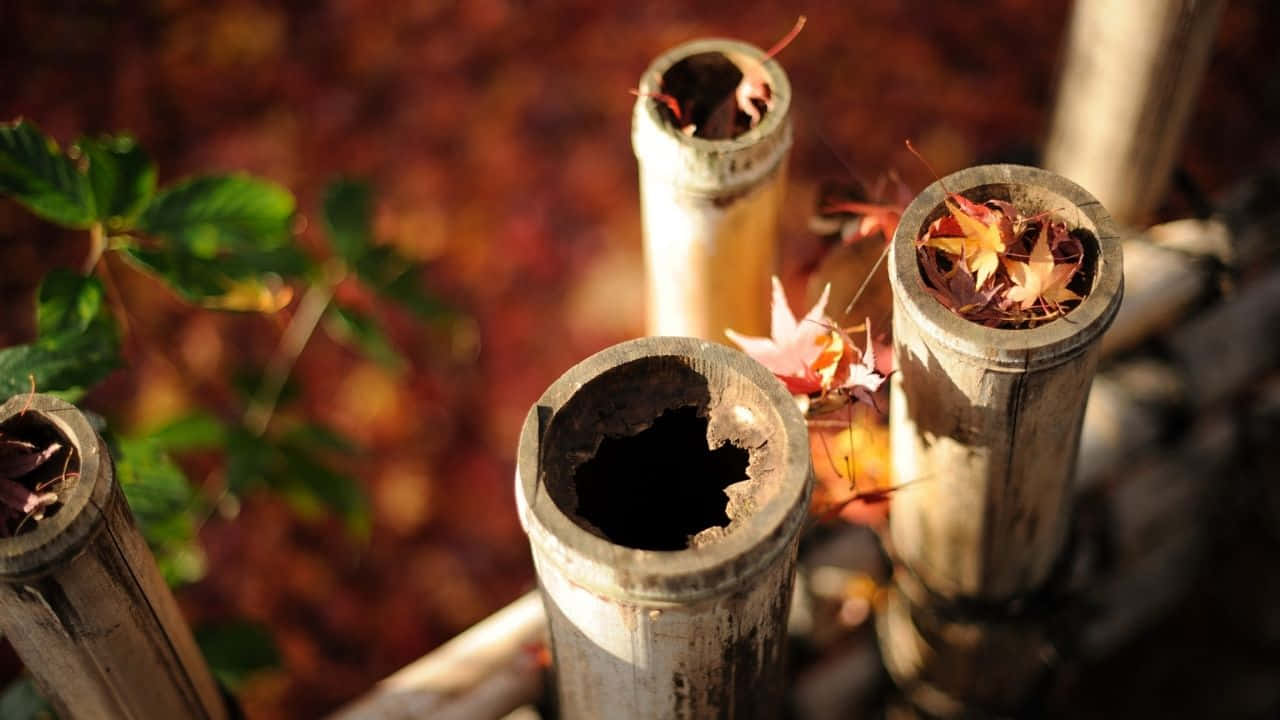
[986, 422]
[84, 605]
[710, 209]
[680, 633]
[1129, 81]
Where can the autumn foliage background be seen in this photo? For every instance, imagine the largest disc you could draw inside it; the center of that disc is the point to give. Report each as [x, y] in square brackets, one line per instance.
[496, 135]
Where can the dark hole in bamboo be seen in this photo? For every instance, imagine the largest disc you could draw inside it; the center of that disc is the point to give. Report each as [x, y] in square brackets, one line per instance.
[658, 488]
[703, 85]
[56, 475]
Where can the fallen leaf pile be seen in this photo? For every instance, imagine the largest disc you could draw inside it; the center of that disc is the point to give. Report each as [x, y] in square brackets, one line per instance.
[989, 263]
[717, 96]
[814, 357]
[19, 501]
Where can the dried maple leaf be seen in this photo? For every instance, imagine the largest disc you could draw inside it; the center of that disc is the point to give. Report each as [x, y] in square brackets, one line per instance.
[754, 90]
[17, 458]
[956, 290]
[863, 380]
[804, 354]
[976, 234]
[870, 218]
[1041, 277]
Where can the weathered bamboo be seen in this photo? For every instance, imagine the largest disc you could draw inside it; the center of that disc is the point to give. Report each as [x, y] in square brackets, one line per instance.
[710, 208]
[668, 443]
[82, 601]
[988, 421]
[484, 672]
[1130, 77]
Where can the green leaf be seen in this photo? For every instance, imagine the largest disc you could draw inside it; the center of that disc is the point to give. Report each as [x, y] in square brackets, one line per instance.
[21, 701]
[157, 490]
[68, 302]
[197, 431]
[77, 345]
[399, 280]
[235, 650]
[212, 215]
[163, 503]
[348, 214]
[295, 465]
[122, 178]
[249, 281]
[362, 333]
[37, 174]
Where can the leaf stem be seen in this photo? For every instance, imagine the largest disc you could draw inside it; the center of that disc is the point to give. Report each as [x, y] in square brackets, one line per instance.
[97, 245]
[294, 340]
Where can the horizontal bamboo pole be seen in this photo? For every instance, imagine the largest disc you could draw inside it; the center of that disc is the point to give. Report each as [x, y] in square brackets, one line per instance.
[485, 672]
[81, 598]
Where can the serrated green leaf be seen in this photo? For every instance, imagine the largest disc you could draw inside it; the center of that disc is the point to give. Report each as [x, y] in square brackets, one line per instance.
[249, 281]
[157, 490]
[77, 346]
[21, 701]
[122, 177]
[37, 174]
[295, 466]
[197, 431]
[68, 302]
[348, 214]
[212, 215]
[236, 650]
[362, 333]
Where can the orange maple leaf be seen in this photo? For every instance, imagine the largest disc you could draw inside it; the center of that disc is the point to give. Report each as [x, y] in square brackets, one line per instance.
[975, 233]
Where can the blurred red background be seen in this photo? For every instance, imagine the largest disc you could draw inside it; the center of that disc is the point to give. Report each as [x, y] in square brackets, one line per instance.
[497, 137]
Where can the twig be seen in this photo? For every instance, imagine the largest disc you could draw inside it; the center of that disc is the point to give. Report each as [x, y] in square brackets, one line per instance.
[296, 336]
[97, 245]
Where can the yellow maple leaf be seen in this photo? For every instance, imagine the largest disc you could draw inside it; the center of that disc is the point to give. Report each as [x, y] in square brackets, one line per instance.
[1041, 277]
[979, 245]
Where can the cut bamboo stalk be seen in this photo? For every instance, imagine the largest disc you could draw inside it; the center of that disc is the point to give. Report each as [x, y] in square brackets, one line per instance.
[1130, 77]
[663, 483]
[710, 208]
[988, 421]
[481, 673]
[81, 598]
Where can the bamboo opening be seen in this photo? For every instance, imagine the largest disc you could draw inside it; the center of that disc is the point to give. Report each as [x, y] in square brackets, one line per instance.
[659, 488]
[56, 474]
[1047, 206]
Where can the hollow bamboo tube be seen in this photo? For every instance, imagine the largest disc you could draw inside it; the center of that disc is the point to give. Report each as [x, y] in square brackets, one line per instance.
[710, 208]
[681, 633]
[1130, 77]
[987, 421]
[83, 603]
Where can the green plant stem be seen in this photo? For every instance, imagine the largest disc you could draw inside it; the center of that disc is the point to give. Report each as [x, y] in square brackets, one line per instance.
[296, 336]
[97, 245]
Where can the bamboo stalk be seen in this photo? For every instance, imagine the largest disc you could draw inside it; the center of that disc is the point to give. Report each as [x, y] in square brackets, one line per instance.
[710, 208]
[696, 629]
[992, 419]
[1130, 77]
[82, 601]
